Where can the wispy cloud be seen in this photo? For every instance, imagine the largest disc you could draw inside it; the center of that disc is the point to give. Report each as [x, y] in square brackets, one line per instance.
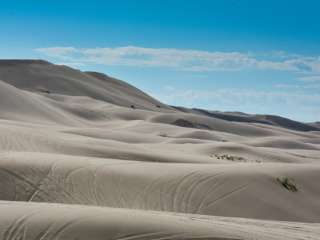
[59, 52]
[185, 60]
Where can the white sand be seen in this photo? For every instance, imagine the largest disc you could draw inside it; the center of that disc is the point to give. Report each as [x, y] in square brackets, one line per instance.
[78, 162]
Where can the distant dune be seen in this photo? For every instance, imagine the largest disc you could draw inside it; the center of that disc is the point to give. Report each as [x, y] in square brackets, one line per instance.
[263, 119]
[86, 156]
[315, 124]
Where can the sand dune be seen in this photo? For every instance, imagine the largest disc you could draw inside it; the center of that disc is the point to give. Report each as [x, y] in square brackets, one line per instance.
[44, 77]
[53, 221]
[250, 118]
[226, 190]
[86, 156]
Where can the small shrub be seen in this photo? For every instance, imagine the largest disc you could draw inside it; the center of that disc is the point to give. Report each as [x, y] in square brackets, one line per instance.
[44, 90]
[287, 184]
[163, 135]
[229, 157]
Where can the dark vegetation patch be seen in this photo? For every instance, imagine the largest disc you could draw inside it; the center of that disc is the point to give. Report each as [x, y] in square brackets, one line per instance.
[187, 124]
[233, 158]
[163, 135]
[229, 157]
[43, 90]
[288, 184]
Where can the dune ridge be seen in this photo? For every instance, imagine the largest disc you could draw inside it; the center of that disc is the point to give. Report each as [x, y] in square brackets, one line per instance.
[87, 156]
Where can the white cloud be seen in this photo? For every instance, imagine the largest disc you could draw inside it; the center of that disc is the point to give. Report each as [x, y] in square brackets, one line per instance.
[57, 51]
[185, 60]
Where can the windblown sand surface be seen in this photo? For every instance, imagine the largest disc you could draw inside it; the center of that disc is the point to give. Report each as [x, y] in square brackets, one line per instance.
[86, 156]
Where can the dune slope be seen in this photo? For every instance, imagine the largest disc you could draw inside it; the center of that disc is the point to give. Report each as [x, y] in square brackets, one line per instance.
[78, 161]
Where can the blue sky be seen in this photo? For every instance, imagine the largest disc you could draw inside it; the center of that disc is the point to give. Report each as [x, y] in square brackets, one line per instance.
[228, 55]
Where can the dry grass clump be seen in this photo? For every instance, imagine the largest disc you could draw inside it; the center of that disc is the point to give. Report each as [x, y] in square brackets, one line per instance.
[229, 157]
[288, 183]
[163, 135]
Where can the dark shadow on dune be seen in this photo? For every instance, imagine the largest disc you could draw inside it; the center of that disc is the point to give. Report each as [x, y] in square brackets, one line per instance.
[187, 124]
[252, 118]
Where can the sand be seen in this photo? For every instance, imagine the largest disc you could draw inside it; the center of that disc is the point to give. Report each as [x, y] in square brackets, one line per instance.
[87, 156]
